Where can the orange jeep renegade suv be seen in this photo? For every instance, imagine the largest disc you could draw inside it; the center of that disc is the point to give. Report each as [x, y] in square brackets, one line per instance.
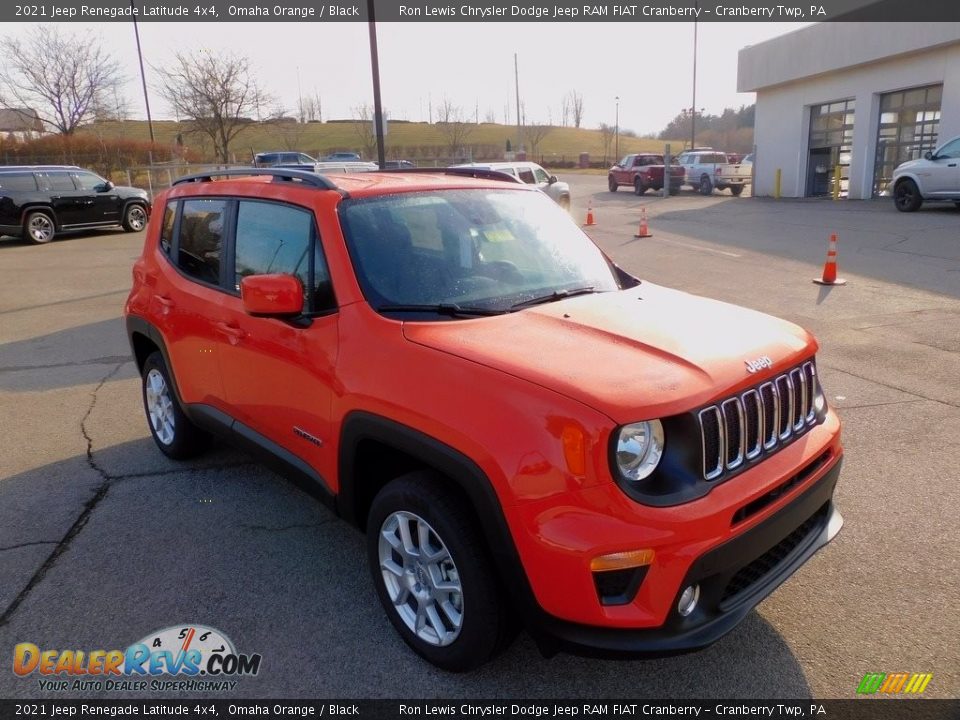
[525, 432]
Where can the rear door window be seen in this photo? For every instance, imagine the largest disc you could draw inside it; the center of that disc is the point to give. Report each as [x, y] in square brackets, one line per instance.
[60, 181]
[200, 242]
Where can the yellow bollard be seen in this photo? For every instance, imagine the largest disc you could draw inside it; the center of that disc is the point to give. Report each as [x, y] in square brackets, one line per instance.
[776, 185]
[836, 182]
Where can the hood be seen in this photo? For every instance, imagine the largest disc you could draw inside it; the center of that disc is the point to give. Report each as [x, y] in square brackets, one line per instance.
[912, 165]
[632, 354]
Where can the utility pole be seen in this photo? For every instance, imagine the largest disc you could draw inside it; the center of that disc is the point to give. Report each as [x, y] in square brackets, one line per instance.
[516, 78]
[693, 105]
[375, 69]
[616, 154]
[143, 77]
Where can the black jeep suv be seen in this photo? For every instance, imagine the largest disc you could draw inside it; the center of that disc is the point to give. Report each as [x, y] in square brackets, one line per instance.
[37, 202]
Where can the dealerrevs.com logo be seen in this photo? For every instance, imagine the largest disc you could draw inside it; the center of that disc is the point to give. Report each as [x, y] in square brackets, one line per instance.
[182, 658]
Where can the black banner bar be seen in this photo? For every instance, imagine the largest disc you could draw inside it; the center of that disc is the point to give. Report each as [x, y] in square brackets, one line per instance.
[480, 11]
[860, 709]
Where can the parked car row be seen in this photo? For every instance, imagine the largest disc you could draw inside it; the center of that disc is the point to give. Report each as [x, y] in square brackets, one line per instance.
[704, 169]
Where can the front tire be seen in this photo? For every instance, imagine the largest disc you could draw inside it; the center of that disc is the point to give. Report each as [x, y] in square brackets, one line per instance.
[432, 573]
[612, 183]
[134, 218]
[906, 196]
[638, 187]
[171, 429]
[38, 227]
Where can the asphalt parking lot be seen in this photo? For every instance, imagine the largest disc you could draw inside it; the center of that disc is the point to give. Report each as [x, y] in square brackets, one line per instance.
[103, 540]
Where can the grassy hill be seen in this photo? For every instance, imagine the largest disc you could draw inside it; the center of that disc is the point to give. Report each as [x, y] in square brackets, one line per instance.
[417, 141]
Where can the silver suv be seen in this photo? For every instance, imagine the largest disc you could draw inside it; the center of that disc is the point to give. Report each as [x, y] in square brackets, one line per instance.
[531, 174]
[935, 176]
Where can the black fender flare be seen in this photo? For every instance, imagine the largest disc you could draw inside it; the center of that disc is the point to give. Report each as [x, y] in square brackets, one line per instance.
[139, 326]
[48, 209]
[453, 464]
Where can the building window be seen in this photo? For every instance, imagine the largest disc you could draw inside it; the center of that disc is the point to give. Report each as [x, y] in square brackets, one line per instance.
[909, 124]
[831, 140]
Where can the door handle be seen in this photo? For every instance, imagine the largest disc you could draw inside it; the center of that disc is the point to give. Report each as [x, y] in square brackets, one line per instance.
[233, 332]
[165, 301]
[952, 165]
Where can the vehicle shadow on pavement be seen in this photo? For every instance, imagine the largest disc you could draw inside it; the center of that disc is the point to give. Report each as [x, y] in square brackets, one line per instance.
[117, 545]
[75, 356]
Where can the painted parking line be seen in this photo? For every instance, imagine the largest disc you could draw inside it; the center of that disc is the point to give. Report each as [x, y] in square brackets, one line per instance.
[694, 246]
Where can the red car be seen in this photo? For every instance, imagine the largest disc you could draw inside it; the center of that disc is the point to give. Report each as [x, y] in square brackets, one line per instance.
[525, 432]
[643, 172]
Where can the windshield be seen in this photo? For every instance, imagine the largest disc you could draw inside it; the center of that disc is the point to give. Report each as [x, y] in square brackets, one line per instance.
[479, 249]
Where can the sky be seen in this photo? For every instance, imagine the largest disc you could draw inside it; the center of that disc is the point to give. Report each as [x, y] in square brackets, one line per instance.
[649, 66]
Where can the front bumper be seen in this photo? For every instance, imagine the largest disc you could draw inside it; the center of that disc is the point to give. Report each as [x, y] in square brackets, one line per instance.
[733, 577]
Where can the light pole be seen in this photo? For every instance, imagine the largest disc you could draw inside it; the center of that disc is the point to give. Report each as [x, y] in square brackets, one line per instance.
[693, 105]
[143, 77]
[616, 132]
[375, 72]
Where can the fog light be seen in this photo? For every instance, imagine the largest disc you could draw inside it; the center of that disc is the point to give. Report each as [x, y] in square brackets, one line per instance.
[688, 600]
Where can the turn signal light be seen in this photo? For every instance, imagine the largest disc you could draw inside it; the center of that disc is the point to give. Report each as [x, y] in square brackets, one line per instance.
[621, 560]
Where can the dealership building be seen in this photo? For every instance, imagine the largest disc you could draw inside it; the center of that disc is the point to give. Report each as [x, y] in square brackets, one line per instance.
[864, 96]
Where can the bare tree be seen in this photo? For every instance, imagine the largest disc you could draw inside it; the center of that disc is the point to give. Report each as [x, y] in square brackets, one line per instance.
[490, 117]
[576, 107]
[565, 110]
[363, 126]
[606, 139]
[63, 78]
[452, 126]
[533, 135]
[215, 93]
[313, 107]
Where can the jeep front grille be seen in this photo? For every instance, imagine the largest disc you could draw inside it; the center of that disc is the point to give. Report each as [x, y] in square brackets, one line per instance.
[760, 420]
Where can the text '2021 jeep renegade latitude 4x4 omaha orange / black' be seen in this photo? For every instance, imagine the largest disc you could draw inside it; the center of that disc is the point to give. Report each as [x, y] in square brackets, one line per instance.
[524, 431]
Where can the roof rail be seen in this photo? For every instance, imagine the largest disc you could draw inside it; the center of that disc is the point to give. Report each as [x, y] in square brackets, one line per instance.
[304, 176]
[480, 173]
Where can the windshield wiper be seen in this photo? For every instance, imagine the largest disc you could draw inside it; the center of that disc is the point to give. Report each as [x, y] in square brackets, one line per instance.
[555, 295]
[451, 309]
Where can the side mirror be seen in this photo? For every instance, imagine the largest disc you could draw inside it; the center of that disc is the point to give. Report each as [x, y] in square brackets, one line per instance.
[105, 187]
[551, 180]
[928, 155]
[272, 295]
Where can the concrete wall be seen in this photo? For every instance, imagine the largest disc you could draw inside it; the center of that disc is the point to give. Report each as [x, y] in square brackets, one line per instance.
[783, 110]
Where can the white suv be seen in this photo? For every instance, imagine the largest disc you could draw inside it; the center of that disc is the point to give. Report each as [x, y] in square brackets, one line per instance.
[935, 176]
[531, 174]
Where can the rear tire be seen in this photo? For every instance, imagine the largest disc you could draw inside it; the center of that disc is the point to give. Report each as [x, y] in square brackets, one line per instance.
[38, 227]
[612, 184]
[906, 196]
[172, 431]
[736, 190]
[638, 187]
[433, 575]
[706, 187]
[134, 218]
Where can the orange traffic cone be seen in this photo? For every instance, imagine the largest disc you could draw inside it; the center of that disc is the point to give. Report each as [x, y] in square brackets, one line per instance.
[590, 220]
[644, 230]
[830, 266]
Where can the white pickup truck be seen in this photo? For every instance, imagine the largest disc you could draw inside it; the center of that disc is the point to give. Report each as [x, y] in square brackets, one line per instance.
[706, 169]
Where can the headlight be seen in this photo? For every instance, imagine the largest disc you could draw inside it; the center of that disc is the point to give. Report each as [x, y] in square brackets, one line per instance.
[639, 448]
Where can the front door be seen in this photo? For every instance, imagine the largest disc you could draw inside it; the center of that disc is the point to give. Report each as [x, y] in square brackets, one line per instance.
[278, 374]
[105, 204]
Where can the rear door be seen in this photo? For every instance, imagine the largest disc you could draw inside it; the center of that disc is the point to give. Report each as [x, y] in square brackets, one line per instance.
[72, 206]
[187, 302]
